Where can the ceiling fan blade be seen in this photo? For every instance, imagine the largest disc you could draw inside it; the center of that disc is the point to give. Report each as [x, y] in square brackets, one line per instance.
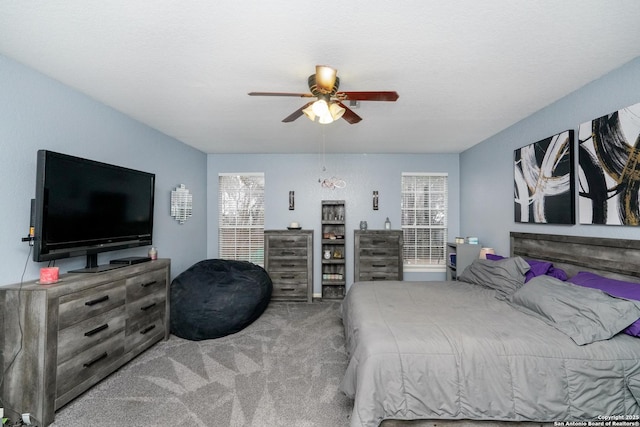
[368, 96]
[349, 115]
[291, 117]
[299, 95]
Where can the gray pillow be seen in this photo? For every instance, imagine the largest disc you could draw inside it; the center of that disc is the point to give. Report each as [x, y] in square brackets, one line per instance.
[505, 276]
[584, 314]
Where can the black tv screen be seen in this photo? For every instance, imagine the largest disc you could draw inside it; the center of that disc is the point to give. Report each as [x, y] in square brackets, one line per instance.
[84, 207]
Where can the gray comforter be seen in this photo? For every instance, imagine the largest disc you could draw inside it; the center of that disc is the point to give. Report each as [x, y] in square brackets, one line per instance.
[452, 350]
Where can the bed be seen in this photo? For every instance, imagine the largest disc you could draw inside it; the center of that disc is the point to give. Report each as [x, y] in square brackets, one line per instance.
[542, 351]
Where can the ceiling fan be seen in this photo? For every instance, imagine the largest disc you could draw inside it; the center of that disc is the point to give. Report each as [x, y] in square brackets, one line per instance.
[329, 105]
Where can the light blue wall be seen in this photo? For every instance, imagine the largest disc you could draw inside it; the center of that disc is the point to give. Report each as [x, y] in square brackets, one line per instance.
[363, 173]
[486, 170]
[37, 112]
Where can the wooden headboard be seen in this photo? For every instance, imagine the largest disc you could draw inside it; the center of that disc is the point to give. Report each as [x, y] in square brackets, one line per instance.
[616, 258]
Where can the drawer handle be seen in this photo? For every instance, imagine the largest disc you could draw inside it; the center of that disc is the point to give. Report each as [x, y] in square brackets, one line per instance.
[288, 253]
[288, 277]
[147, 329]
[147, 307]
[287, 289]
[96, 330]
[96, 360]
[288, 265]
[97, 300]
[378, 265]
[145, 285]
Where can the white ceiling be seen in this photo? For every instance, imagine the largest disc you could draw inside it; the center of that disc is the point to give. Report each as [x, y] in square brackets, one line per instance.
[464, 69]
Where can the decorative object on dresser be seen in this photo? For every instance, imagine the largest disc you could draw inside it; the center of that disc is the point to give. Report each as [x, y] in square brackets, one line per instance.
[460, 256]
[288, 259]
[217, 297]
[333, 240]
[56, 341]
[378, 255]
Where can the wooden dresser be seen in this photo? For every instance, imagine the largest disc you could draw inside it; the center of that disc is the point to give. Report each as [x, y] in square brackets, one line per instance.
[76, 332]
[378, 255]
[288, 258]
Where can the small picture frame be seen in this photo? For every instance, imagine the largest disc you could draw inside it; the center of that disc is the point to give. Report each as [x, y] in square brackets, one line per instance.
[375, 200]
[292, 201]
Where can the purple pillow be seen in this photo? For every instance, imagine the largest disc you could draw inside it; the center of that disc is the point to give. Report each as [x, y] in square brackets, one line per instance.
[538, 268]
[494, 257]
[558, 273]
[613, 287]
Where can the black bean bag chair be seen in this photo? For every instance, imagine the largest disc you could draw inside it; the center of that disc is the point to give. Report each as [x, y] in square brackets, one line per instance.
[218, 297]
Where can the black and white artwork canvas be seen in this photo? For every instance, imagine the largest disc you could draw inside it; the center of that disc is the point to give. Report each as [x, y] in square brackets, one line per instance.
[609, 168]
[544, 181]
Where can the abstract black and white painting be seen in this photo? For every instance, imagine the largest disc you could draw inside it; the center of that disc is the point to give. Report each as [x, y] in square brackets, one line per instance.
[609, 168]
[544, 181]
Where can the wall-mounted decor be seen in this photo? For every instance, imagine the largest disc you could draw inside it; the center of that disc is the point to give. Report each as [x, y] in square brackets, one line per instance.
[375, 200]
[292, 200]
[332, 183]
[181, 204]
[544, 181]
[609, 159]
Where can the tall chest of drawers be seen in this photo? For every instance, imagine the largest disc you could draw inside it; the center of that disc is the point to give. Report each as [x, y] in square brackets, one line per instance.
[288, 258]
[59, 340]
[378, 255]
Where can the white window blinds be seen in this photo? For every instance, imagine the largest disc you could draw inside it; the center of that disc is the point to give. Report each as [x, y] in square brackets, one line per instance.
[424, 218]
[241, 217]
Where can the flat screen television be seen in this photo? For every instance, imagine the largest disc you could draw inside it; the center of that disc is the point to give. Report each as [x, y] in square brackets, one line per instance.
[84, 207]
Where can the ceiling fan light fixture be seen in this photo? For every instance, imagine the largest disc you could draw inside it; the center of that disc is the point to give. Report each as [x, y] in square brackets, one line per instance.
[309, 113]
[325, 78]
[336, 111]
[320, 108]
[326, 119]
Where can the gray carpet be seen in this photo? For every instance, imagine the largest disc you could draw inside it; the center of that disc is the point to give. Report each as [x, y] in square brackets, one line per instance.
[282, 370]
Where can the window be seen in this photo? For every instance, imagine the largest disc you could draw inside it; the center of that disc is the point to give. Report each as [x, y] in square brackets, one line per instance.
[424, 220]
[241, 217]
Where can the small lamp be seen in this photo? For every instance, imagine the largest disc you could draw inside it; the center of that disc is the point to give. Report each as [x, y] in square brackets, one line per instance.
[485, 251]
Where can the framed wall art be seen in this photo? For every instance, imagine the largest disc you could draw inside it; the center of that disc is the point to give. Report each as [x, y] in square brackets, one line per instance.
[544, 184]
[609, 168]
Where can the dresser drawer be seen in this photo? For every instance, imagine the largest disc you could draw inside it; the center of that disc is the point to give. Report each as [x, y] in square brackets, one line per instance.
[287, 264]
[287, 241]
[76, 307]
[377, 240]
[142, 307]
[381, 252]
[95, 361]
[90, 332]
[287, 284]
[287, 252]
[367, 276]
[289, 290]
[145, 284]
[146, 329]
[380, 265]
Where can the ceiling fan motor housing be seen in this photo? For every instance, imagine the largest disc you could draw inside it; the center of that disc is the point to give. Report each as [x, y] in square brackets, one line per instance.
[319, 91]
